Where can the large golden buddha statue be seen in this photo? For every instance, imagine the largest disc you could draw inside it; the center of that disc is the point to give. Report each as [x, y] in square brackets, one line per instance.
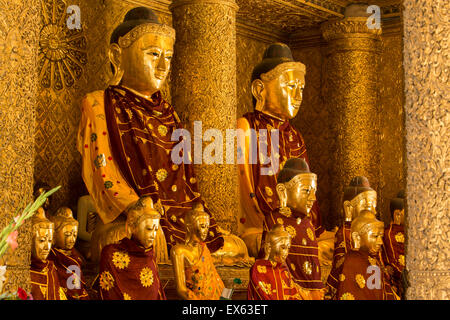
[68, 261]
[296, 188]
[358, 196]
[125, 136]
[270, 278]
[196, 277]
[363, 276]
[43, 274]
[277, 88]
[128, 269]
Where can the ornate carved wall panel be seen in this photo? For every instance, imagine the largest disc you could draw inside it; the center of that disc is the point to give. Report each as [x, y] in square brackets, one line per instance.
[19, 34]
[427, 118]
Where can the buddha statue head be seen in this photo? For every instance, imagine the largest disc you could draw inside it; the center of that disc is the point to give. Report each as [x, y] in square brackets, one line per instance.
[277, 244]
[40, 188]
[42, 235]
[359, 196]
[141, 50]
[296, 186]
[143, 221]
[66, 229]
[197, 224]
[367, 233]
[278, 82]
[397, 208]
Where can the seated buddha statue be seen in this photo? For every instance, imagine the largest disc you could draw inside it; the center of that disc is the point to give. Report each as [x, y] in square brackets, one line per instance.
[270, 278]
[362, 276]
[67, 260]
[45, 284]
[296, 188]
[128, 269]
[358, 196]
[393, 253]
[196, 277]
[124, 136]
[277, 89]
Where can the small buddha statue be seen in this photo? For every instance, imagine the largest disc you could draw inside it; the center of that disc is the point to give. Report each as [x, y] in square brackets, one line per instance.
[393, 253]
[277, 88]
[196, 277]
[270, 278]
[45, 284]
[358, 196]
[363, 276]
[125, 135]
[65, 257]
[128, 269]
[296, 188]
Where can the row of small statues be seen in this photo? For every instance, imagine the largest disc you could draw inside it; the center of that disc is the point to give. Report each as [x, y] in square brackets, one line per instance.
[368, 259]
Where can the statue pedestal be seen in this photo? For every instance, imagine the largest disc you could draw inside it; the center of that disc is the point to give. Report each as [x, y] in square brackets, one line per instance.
[228, 274]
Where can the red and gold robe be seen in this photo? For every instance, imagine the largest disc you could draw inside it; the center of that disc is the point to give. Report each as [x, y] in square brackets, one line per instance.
[129, 272]
[202, 278]
[353, 284]
[272, 281]
[393, 252]
[45, 281]
[291, 145]
[303, 257]
[62, 263]
[125, 143]
[342, 244]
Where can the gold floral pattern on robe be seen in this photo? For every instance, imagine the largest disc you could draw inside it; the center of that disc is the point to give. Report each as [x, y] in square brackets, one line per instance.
[146, 277]
[161, 175]
[266, 287]
[261, 269]
[347, 296]
[307, 268]
[341, 277]
[106, 280]
[291, 231]
[120, 260]
[126, 296]
[359, 278]
[400, 237]
[401, 260]
[310, 234]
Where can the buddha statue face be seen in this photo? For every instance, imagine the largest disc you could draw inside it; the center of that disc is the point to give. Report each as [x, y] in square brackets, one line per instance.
[145, 64]
[280, 249]
[282, 96]
[66, 236]
[201, 226]
[42, 242]
[366, 200]
[299, 193]
[367, 233]
[145, 231]
[399, 217]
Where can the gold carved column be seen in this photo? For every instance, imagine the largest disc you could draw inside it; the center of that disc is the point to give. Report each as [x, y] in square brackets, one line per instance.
[19, 34]
[204, 89]
[427, 122]
[352, 100]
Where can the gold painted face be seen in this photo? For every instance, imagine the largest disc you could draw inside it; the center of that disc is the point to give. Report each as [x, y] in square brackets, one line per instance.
[42, 243]
[66, 237]
[302, 196]
[280, 249]
[284, 94]
[146, 63]
[399, 217]
[201, 227]
[146, 230]
[372, 239]
[365, 201]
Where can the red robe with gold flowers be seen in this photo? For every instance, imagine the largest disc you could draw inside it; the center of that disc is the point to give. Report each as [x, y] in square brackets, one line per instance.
[353, 280]
[129, 272]
[126, 147]
[45, 281]
[291, 145]
[342, 245]
[62, 263]
[303, 258]
[393, 252]
[272, 281]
